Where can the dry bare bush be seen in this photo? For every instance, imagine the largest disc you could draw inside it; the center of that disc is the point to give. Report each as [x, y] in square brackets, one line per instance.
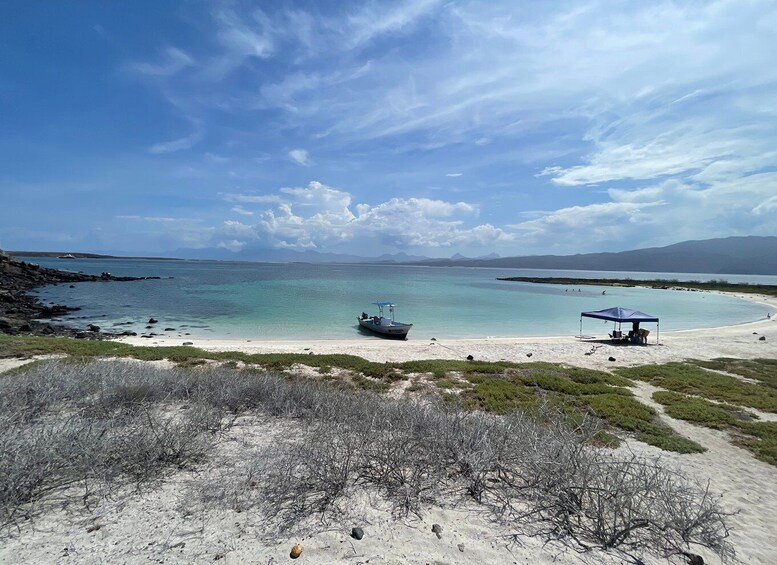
[68, 424]
[563, 489]
[101, 423]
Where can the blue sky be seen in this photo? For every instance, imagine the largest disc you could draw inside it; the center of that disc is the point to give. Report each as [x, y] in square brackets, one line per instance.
[426, 127]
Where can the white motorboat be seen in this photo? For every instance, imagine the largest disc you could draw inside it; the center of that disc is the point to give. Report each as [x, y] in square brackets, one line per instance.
[382, 325]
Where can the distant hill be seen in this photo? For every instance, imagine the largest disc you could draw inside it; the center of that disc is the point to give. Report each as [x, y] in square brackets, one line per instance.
[79, 255]
[749, 255]
[59, 254]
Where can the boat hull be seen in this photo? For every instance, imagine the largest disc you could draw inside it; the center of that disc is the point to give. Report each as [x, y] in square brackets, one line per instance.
[396, 330]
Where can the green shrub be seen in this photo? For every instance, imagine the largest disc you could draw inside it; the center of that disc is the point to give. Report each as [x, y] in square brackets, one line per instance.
[629, 414]
[698, 410]
[450, 383]
[764, 370]
[496, 395]
[670, 442]
[693, 380]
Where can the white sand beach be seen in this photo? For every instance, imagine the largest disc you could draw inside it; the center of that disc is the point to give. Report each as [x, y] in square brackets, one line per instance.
[741, 341]
[162, 524]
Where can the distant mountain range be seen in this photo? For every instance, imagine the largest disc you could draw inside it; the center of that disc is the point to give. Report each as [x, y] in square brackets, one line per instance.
[751, 255]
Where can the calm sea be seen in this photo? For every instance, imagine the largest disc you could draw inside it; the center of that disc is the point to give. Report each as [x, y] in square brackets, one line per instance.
[263, 301]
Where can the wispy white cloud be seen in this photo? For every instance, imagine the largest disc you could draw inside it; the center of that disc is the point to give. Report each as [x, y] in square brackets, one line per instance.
[173, 61]
[660, 214]
[374, 20]
[768, 206]
[160, 232]
[453, 174]
[253, 198]
[242, 37]
[242, 211]
[214, 158]
[175, 145]
[300, 156]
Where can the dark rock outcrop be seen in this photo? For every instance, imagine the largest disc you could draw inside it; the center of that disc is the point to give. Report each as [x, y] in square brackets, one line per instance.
[20, 312]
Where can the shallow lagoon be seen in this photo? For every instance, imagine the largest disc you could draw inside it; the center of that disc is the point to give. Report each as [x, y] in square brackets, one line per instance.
[264, 301]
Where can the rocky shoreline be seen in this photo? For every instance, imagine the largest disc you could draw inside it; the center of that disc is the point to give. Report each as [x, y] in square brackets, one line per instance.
[21, 313]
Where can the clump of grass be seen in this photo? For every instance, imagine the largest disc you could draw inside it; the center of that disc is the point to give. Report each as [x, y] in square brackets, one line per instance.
[763, 440]
[442, 367]
[447, 383]
[497, 395]
[363, 383]
[416, 385]
[574, 374]
[692, 380]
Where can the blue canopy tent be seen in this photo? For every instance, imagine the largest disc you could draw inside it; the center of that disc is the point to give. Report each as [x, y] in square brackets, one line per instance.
[619, 315]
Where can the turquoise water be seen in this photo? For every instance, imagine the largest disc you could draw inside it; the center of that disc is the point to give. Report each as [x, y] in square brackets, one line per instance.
[287, 301]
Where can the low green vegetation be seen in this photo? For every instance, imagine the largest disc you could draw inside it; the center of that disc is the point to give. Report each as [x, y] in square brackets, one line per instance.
[716, 285]
[697, 381]
[700, 411]
[763, 370]
[696, 392]
[29, 346]
[762, 441]
[758, 437]
[524, 387]
[629, 414]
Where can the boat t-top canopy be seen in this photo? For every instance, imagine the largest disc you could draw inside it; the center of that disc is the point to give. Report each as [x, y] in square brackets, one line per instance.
[620, 315]
[383, 304]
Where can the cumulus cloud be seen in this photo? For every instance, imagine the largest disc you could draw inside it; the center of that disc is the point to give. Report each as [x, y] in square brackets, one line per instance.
[318, 217]
[232, 245]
